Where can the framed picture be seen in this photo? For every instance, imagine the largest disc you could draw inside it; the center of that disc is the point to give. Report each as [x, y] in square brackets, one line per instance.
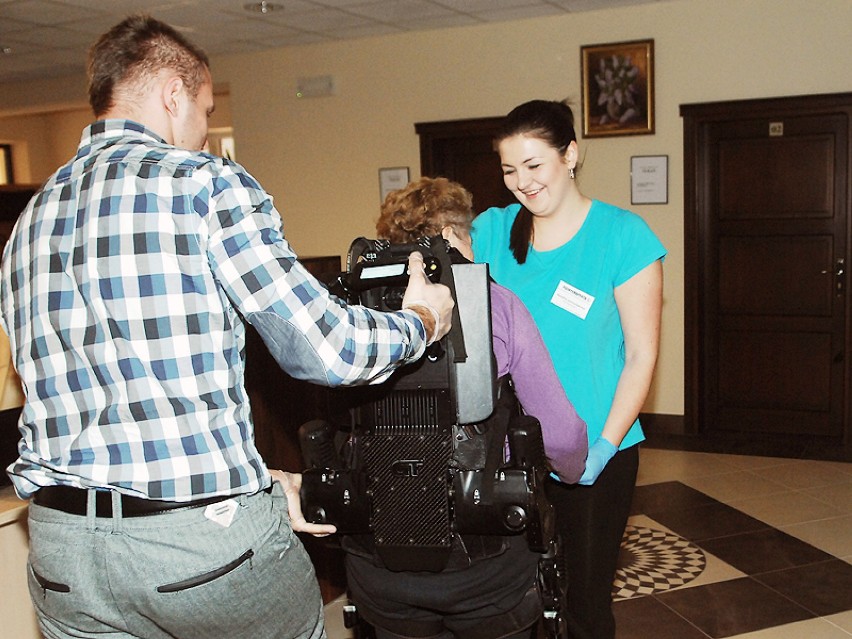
[391, 179]
[649, 179]
[618, 88]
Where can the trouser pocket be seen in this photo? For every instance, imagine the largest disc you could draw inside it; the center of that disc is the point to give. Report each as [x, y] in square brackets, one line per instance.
[207, 577]
[47, 584]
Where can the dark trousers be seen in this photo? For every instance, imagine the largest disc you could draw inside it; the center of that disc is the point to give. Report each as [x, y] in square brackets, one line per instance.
[494, 598]
[384, 634]
[591, 521]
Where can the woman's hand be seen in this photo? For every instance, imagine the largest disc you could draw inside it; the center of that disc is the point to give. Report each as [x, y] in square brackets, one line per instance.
[600, 452]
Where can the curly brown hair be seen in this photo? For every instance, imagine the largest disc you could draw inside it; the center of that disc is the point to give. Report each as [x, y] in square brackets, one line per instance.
[423, 208]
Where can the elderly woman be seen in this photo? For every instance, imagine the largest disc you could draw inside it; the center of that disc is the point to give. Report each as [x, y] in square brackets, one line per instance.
[489, 589]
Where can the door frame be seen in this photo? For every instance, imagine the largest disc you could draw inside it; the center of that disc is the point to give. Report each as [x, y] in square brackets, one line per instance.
[697, 119]
[432, 133]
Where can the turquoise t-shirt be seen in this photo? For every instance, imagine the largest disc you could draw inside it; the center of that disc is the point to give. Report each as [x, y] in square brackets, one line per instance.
[570, 292]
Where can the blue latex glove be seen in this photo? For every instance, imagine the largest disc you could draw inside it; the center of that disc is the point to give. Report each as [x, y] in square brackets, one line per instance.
[600, 452]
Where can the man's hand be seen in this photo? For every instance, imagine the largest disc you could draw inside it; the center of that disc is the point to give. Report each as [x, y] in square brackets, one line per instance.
[432, 302]
[292, 482]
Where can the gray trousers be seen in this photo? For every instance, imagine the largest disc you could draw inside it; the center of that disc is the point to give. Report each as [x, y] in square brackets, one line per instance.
[175, 575]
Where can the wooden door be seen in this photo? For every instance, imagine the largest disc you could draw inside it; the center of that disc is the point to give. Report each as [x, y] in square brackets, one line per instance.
[766, 282]
[463, 151]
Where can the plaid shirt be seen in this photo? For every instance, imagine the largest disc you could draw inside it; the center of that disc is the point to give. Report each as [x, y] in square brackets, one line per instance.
[124, 289]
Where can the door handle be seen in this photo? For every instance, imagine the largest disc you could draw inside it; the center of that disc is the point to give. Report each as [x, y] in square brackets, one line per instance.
[839, 274]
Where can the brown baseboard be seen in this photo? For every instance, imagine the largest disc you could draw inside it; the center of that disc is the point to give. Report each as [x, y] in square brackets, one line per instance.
[669, 432]
[657, 424]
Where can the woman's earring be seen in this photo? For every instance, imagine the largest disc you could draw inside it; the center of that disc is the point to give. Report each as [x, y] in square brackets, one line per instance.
[571, 173]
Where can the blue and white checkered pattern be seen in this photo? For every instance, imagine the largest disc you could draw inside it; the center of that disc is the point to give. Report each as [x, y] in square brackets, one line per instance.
[123, 290]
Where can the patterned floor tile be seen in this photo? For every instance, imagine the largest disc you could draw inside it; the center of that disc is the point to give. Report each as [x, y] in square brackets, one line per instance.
[762, 577]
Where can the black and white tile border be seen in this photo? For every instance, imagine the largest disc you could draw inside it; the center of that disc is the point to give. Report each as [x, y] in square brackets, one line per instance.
[653, 561]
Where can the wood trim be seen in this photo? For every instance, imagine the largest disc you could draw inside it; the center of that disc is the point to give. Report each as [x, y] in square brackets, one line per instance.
[657, 424]
[667, 432]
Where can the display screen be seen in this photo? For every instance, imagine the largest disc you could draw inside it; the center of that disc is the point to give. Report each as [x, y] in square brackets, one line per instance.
[383, 270]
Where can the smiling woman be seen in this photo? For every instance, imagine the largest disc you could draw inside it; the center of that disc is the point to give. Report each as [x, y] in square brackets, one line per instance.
[591, 276]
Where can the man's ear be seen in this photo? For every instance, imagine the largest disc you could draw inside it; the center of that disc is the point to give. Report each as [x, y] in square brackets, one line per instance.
[172, 91]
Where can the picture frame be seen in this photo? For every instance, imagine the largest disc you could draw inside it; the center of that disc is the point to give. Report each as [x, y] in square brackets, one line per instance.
[649, 179]
[618, 88]
[392, 179]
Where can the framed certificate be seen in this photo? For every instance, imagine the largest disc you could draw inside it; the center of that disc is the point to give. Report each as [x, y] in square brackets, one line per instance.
[649, 179]
[391, 179]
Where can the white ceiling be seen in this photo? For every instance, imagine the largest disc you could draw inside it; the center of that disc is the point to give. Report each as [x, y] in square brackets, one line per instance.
[48, 38]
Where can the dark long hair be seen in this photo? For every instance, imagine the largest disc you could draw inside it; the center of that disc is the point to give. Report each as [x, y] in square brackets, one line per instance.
[546, 120]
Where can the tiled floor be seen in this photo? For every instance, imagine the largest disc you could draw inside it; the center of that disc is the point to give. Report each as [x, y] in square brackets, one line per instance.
[777, 539]
[732, 546]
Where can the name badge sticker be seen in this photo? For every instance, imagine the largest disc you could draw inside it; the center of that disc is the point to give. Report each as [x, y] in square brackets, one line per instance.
[572, 299]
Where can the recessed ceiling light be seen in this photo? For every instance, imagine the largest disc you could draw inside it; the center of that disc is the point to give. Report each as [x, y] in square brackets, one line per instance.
[262, 7]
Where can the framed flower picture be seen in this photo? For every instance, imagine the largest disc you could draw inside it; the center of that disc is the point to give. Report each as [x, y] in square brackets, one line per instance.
[618, 88]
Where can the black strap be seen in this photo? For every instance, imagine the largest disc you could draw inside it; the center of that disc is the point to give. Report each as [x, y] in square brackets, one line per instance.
[456, 334]
[497, 427]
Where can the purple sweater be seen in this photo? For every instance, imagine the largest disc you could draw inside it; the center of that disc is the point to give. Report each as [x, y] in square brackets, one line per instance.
[521, 353]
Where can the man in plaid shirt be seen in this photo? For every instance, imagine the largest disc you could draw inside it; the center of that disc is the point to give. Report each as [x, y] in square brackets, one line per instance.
[124, 291]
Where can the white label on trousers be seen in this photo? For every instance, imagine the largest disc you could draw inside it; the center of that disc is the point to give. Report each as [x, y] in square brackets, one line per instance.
[222, 513]
[572, 299]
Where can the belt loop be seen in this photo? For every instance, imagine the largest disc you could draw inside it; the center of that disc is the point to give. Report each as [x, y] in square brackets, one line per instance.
[117, 514]
[91, 508]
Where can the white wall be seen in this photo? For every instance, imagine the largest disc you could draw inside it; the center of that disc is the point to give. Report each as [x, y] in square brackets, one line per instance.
[320, 157]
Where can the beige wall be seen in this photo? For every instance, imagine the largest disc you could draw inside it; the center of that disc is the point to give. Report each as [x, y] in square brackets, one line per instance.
[320, 157]
[11, 394]
[44, 140]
